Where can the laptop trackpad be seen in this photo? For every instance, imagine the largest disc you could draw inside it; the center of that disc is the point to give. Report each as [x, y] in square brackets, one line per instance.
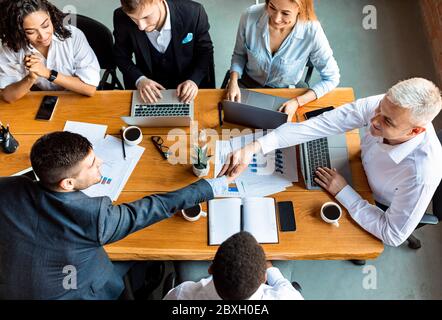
[339, 160]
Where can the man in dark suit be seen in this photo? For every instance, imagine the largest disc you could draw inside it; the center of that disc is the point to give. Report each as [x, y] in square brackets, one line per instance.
[172, 47]
[52, 234]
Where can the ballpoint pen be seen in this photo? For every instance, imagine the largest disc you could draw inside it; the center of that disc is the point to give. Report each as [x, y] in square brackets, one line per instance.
[220, 114]
[122, 143]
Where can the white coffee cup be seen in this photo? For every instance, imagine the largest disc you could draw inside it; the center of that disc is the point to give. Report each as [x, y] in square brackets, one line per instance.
[194, 213]
[331, 215]
[132, 135]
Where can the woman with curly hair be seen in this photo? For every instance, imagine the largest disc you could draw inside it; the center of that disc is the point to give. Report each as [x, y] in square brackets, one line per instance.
[38, 50]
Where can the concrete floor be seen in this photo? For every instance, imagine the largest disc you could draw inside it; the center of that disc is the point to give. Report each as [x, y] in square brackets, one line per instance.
[371, 61]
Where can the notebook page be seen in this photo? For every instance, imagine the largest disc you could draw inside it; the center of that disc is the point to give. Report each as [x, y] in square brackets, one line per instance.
[259, 219]
[224, 219]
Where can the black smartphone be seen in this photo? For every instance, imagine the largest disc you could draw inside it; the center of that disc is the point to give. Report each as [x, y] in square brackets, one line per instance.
[47, 108]
[286, 216]
[315, 113]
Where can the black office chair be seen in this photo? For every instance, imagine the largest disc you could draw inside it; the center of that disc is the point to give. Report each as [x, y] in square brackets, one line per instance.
[209, 81]
[169, 283]
[300, 84]
[101, 40]
[153, 276]
[430, 219]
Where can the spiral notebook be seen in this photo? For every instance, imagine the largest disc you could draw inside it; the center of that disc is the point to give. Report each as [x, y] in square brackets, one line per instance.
[230, 216]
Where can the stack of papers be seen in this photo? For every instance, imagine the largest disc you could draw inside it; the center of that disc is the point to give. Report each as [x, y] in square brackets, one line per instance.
[115, 170]
[265, 175]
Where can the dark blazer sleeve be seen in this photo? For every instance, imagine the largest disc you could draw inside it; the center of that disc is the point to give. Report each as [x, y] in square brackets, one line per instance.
[116, 222]
[123, 48]
[203, 55]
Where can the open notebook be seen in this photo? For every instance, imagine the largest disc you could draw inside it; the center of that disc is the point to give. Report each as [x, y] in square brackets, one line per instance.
[230, 216]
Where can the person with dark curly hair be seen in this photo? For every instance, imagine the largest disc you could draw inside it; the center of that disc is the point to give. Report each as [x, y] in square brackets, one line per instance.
[239, 272]
[38, 50]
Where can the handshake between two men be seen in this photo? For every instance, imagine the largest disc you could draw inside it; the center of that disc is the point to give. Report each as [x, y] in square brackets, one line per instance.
[238, 161]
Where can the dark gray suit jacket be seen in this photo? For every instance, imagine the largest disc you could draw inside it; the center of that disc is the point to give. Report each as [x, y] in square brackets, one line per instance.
[194, 59]
[42, 232]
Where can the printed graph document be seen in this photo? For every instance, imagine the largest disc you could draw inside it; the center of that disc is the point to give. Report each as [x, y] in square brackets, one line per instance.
[265, 175]
[254, 215]
[115, 170]
[93, 132]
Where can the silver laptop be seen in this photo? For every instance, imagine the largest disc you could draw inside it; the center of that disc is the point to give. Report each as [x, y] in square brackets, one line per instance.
[168, 112]
[328, 152]
[255, 110]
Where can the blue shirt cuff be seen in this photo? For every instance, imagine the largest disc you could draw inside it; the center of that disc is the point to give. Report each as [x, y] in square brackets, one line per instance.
[219, 186]
[237, 67]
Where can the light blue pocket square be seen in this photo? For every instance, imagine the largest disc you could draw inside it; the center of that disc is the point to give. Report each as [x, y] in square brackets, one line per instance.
[188, 38]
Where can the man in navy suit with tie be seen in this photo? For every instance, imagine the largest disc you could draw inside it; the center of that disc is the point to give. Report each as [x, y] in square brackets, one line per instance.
[172, 47]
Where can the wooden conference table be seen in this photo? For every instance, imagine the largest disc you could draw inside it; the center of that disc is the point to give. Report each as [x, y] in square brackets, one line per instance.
[176, 238]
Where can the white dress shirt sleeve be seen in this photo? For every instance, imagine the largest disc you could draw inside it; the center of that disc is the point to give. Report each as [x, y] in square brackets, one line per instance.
[239, 57]
[12, 70]
[396, 224]
[86, 64]
[281, 286]
[323, 60]
[348, 117]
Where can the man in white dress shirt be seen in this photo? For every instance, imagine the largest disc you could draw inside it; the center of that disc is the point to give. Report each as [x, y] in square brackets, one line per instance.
[401, 155]
[239, 272]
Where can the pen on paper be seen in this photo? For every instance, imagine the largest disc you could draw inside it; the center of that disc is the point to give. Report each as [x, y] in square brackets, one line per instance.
[122, 143]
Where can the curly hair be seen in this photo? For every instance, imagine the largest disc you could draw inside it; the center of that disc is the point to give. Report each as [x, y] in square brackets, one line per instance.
[12, 15]
[239, 267]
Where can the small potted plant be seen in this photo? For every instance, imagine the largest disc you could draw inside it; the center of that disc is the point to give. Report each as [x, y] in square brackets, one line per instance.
[201, 165]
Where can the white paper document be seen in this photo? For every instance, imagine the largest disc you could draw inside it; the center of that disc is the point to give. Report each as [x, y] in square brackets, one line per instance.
[93, 132]
[265, 175]
[115, 170]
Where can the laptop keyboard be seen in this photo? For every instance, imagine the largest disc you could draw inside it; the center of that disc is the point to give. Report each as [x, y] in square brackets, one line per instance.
[319, 156]
[162, 110]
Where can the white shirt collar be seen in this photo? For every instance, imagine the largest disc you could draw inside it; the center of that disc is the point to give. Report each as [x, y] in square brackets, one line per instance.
[399, 152]
[210, 291]
[167, 24]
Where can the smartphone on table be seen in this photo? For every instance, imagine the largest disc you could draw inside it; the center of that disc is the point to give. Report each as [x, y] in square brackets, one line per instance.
[317, 112]
[47, 108]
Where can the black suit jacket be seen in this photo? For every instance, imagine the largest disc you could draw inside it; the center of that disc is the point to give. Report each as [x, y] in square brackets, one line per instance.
[194, 59]
[45, 235]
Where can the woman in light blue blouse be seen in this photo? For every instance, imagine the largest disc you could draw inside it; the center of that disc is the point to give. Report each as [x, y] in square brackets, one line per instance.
[275, 40]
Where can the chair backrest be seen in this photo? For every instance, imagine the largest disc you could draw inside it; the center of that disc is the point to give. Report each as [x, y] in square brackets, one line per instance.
[209, 80]
[437, 197]
[309, 73]
[99, 37]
